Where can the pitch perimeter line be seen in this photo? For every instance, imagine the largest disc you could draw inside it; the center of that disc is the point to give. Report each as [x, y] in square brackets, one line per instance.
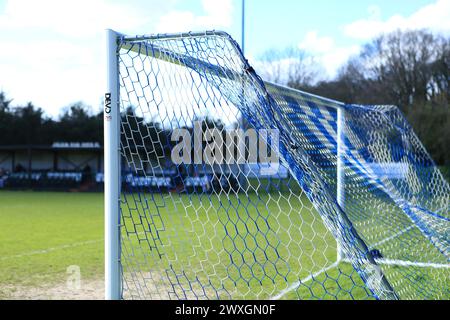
[295, 285]
[48, 250]
[403, 263]
[398, 234]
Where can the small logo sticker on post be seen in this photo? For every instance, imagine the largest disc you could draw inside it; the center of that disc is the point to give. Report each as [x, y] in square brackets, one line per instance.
[108, 106]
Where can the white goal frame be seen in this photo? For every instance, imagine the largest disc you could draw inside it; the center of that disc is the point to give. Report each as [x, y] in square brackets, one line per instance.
[112, 178]
[112, 169]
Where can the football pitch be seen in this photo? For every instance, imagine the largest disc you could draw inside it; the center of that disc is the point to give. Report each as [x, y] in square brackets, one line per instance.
[45, 236]
[42, 234]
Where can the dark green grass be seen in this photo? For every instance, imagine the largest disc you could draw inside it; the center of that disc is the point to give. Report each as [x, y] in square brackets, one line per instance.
[42, 233]
[260, 244]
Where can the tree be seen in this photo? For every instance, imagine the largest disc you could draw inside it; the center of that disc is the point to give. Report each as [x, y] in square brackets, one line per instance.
[26, 125]
[4, 102]
[398, 66]
[292, 67]
[410, 69]
[76, 124]
[440, 69]
[6, 119]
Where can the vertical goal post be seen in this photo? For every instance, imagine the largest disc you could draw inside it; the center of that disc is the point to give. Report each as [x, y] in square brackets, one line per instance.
[112, 169]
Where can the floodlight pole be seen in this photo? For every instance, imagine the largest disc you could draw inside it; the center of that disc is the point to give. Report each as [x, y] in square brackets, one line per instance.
[243, 28]
[112, 170]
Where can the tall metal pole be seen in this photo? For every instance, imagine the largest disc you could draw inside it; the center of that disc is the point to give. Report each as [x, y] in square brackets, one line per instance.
[243, 27]
[112, 170]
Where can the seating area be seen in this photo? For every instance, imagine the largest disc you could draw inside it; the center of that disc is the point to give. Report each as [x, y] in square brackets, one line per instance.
[202, 183]
[73, 180]
[152, 182]
[43, 180]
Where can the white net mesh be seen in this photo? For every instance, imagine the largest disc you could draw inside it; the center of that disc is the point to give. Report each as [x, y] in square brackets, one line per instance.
[236, 225]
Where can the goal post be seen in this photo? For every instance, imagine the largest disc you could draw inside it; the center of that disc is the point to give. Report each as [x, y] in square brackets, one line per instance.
[112, 169]
[219, 185]
[340, 168]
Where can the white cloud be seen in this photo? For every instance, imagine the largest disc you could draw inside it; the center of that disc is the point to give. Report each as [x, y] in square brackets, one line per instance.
[81, 18]
[326, 51]
[435, 17]
[321, 51]
[315, 44]
[336, 57]
[51, 74]
[217, 14]
[52, 51]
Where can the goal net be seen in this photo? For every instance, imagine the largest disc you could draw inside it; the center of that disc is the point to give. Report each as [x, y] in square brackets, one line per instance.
[228, 187]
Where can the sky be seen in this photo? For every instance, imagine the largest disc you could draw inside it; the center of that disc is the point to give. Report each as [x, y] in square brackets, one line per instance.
[52, 51]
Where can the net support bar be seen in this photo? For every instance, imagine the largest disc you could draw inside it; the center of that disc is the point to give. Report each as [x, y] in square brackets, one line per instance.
[340, 175]
[112, 170]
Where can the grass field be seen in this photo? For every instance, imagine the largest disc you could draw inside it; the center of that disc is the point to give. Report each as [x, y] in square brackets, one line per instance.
[184, 238]
[42, 234]
[242, 247]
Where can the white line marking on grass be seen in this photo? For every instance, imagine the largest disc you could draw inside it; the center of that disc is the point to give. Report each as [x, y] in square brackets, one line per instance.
[295, 285]
[403, 263]
[393, 236]
[44, 251]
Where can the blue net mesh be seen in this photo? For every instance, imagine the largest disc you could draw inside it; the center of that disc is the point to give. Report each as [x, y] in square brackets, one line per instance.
[353, 208]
